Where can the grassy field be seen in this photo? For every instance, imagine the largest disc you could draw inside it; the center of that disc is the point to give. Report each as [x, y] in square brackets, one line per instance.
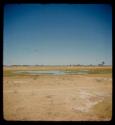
[9, 71]
[75, 97]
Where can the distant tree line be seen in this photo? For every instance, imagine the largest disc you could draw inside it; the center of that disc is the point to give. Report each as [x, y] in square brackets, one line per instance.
[101, 64]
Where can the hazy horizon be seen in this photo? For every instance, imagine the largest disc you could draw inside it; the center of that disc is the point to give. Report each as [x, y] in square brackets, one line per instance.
[58, 65]
[57, 34]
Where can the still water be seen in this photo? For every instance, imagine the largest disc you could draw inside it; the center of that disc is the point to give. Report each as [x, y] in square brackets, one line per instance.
[52, 72]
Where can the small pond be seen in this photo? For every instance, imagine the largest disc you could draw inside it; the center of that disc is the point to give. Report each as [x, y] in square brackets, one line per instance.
[52, 72]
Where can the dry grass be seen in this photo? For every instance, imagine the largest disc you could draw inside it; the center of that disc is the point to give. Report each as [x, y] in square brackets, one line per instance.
[57, 97]
[57, 68]
[103, 109]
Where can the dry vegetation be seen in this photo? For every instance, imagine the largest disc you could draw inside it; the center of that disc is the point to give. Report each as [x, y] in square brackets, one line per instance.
[57, 97]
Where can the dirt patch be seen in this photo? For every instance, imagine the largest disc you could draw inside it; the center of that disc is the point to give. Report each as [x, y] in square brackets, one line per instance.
[65, 98]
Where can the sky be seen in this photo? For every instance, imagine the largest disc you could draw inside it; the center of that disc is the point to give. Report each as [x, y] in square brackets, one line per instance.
[57, 34]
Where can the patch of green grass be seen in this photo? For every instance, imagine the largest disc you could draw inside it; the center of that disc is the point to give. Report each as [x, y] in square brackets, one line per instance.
[107, 71]
[12, 73]
[95, 71]
[8, 73]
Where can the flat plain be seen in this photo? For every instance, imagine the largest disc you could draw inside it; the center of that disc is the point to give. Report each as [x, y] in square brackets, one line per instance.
[46, 97]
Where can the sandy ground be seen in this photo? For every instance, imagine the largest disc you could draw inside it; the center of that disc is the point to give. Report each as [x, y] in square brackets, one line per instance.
[57, 98]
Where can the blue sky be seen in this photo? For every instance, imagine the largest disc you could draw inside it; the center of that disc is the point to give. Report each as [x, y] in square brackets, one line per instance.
[57, 34]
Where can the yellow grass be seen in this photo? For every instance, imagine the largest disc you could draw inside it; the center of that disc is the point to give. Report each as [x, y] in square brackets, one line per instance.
[57, 97]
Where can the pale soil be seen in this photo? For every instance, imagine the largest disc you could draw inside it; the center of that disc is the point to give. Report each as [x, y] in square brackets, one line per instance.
[55, 67]
[53, 97]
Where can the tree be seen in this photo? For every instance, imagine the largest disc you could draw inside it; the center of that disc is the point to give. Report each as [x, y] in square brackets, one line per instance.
[103, 62]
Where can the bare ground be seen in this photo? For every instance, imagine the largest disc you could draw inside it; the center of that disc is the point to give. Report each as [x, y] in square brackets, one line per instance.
[57, 98]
